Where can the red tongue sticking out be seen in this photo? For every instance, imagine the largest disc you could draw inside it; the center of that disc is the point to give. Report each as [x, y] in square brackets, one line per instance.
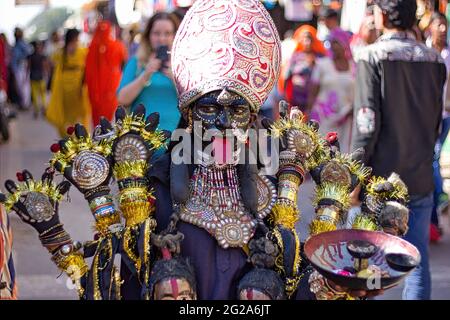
[222, 149]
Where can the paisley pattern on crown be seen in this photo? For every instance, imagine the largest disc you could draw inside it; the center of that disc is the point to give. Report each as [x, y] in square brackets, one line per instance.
[226, 43]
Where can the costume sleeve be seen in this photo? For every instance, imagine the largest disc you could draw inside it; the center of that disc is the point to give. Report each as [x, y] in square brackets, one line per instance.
[303, 289]
[129, 73]
[367, 109]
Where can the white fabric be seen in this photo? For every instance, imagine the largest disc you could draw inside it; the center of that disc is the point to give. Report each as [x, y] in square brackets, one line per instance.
[335, 100]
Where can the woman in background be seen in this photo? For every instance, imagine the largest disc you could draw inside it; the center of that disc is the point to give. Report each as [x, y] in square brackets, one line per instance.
[147, 78]
[297, 77]
[332, 90]
[69, 103]
[104, 63]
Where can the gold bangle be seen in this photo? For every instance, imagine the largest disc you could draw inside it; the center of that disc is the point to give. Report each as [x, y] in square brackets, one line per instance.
[50, 229]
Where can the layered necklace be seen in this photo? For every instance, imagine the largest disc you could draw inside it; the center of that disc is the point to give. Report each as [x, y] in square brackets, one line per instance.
[215, 204]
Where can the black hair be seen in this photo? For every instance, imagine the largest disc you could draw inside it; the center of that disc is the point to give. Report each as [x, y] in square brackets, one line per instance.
[401, 14]
[330, 13]
[71, 35]
[18, 33]
[176, 267]
[267, 281]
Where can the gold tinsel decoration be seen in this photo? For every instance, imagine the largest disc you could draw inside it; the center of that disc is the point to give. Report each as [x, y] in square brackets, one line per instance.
[130, 169]
[400, 192]
[129, 242]
[363, 222]
[318, 226]
[283, 126]
[320, 155]
[291, 283]
[137, 124]
[102, 224]
[338, 193]
[355, 167]
[49, 189]
[74, 146]
[135, 203]
[279, 260]
[135, 212]
[74, 265]
[285, 215]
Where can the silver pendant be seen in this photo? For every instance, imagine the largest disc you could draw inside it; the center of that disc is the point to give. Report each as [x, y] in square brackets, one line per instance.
[233, 233]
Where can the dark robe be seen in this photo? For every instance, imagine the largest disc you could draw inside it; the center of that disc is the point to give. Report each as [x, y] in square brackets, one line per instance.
[218, 270]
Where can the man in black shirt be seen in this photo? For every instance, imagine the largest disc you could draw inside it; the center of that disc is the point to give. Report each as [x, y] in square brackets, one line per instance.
[398, 111]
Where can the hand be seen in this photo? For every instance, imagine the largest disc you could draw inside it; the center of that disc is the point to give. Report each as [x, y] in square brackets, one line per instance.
[354, 196]
[152, 66]
[85, 163]
[35, 202]
[137, 142]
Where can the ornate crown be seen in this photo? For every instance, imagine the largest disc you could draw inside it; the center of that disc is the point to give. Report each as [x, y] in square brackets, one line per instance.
[231, 44]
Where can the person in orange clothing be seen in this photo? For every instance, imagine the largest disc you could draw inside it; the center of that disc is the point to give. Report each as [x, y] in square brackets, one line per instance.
[294, 82]
[104, 71]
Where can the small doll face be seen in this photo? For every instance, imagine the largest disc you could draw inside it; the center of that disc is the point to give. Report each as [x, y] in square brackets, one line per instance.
[174, 289]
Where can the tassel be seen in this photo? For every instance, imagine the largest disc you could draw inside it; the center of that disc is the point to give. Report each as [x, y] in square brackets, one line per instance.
[362, 222]
[319, 226]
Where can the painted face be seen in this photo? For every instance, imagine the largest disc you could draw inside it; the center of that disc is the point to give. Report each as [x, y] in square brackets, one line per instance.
[253, 294]
[222, 110]
[174, 289]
